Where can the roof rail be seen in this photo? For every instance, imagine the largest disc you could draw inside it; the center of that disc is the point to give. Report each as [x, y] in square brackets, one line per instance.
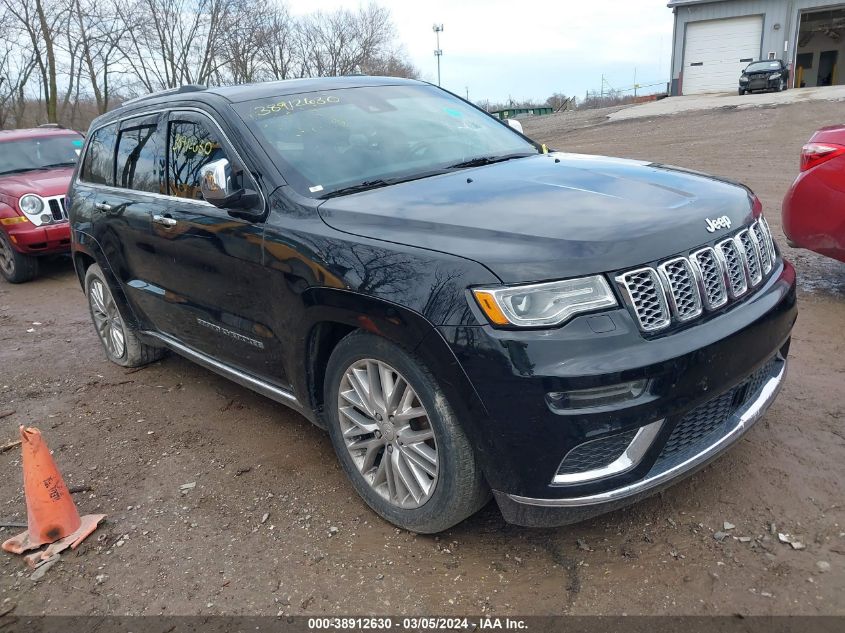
[53, 125]
[169, 91]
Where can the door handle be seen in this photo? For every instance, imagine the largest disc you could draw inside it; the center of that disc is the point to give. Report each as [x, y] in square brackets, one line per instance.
[166, 222]
[103, 206]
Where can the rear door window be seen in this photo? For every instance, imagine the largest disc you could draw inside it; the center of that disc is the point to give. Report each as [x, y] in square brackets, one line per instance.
[139, 156]
[192, 143]
[98, 166]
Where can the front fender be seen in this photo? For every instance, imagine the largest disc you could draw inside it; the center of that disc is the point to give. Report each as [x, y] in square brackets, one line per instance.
[326, 307]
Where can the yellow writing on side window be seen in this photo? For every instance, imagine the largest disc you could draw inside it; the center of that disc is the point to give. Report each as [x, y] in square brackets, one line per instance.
[294, 104]
[182, 143]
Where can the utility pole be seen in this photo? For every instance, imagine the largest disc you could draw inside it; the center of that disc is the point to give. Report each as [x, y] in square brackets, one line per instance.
[467, 89]
[438, 29]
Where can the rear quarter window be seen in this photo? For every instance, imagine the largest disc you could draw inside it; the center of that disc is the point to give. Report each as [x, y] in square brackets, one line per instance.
[98, 164]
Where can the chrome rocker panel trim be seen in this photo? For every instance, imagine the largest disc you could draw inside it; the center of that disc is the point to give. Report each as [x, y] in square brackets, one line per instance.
[744, 419]
[266, 389]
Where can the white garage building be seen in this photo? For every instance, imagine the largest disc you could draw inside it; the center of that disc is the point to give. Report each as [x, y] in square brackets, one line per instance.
[716, 39]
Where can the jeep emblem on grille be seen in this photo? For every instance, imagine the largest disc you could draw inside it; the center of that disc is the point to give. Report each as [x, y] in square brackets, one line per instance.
[719, 223]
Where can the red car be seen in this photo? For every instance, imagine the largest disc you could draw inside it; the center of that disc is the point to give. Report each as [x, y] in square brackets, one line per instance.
[35, 170]
[814, 207]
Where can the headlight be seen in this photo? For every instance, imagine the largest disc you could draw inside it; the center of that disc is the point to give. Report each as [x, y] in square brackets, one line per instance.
[744, 78]
[32, 207]
[774, 76]
[545, 304]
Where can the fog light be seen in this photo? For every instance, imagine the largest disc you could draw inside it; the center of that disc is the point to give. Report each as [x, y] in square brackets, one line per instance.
[597, 396]
[46, 218]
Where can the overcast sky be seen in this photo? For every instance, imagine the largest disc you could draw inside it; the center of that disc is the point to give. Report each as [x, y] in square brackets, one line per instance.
[496, 48]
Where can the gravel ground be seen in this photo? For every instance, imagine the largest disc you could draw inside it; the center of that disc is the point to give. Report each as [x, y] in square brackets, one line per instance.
[272, 526]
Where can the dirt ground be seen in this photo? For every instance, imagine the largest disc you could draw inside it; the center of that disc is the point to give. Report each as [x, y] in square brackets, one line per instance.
[272, 526]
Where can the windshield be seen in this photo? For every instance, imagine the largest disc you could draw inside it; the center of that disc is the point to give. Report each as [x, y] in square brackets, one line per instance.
[758, 66]
[41, 152]
[334, 140]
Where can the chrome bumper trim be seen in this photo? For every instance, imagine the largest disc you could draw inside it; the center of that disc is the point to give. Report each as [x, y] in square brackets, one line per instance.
[629, 458]
[744, 418]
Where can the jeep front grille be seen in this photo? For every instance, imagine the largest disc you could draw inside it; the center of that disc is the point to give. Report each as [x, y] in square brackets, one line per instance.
[646, 293]
[57, 208]
[712, 277]
[682, 288]
[732, 260]
[751, 257]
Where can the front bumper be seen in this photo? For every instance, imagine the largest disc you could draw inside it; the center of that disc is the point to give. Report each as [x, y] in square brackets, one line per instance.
[40, 240]
[760, 84]
[533, 512]
[522, 441]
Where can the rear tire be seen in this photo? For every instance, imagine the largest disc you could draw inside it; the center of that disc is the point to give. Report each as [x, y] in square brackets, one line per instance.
[422, 485]
[16, 268]
[120, 341]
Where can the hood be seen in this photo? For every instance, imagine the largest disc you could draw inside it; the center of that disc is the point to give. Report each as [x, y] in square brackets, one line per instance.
[550, 216]
[44, 182]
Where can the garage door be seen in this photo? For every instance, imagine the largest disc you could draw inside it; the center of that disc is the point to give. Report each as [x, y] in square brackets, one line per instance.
[714, 51]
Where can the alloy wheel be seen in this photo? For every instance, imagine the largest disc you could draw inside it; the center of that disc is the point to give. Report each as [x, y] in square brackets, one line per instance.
[107, 318]
[388, 433]
[7, 258]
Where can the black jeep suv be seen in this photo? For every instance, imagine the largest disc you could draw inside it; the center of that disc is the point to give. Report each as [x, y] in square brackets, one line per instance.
[461, 309]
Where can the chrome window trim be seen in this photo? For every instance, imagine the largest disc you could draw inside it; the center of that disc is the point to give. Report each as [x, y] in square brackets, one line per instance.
[628, 460]
[661, 297]
[671, 290]
[122, 191]
[739, 423]
[168, 111]
[700, 274]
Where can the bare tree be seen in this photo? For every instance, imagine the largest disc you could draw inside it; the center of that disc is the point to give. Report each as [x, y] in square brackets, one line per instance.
[16, 68]
[96, 28]
[278, 41]
[244, 32]
[170, 43]
[73, 59]
[343, 42]
[39, 23]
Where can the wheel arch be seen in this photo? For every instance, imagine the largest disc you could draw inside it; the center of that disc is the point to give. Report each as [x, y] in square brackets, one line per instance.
[335, 313]
[86, 252]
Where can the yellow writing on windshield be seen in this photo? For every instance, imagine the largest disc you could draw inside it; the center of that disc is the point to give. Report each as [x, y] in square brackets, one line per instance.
[294, 104]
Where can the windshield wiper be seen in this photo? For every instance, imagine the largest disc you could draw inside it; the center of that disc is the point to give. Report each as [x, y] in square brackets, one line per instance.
[20, 170]
[382, 182]
[361, 186]
[480, 161]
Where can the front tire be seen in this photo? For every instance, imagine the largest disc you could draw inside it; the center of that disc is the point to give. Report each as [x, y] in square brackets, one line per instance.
[741, 92]
[397, 437]
[16, 268]
[120, 341]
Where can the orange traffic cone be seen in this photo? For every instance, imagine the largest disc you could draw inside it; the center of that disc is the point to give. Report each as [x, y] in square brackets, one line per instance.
[51, 513]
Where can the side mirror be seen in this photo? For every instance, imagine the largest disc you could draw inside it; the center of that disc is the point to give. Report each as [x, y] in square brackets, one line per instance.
[515, 125]
[217, 184]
